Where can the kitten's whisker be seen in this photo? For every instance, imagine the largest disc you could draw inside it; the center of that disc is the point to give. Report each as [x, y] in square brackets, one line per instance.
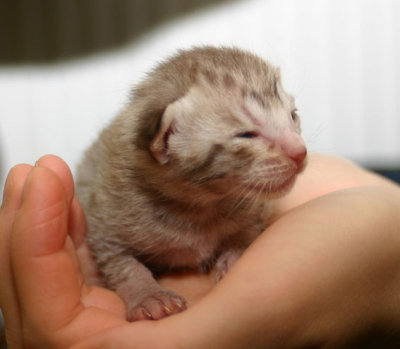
[244, 194]
[261, 184]
[252, 184]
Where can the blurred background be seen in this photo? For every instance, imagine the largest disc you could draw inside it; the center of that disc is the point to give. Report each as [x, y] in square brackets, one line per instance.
[67, 66]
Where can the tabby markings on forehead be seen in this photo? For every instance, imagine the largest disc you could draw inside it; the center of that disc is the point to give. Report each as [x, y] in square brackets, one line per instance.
[210, 75]
[250, 116]
[229, 81]
[194, 69]
[258, 98]
[244, 91]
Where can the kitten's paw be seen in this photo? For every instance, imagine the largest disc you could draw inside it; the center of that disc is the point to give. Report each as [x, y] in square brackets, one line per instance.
[225, 262]
[157, 305]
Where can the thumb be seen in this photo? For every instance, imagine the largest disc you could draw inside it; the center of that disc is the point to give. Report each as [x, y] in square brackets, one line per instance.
[45, 273]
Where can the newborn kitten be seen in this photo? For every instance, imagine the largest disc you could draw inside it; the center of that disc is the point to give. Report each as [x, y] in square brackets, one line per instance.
[182, 177]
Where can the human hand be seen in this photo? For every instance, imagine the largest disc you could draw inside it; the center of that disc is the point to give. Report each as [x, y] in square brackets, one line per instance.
[45, 298]
[43, 295]
[324, 275]
[302, 282]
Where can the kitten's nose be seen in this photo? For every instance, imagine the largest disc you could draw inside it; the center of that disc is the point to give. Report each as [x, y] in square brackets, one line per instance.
[299, 155]
[292, 145]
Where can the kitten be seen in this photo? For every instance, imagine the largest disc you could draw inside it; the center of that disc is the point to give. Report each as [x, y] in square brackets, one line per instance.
[182, 178]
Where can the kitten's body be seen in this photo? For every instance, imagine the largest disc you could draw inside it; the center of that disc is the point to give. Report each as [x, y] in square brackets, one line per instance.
[180, 178]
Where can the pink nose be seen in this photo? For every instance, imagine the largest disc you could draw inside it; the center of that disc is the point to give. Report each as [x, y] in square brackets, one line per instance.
[299, 155]
[292, 145]
[289, 144]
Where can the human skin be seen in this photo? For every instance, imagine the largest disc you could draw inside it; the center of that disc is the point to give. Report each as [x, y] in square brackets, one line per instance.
[326, 270]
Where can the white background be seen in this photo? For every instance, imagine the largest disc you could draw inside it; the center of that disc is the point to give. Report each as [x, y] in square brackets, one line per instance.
[340, 58]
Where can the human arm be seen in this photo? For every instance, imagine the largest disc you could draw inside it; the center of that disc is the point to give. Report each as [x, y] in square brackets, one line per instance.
[320, 275]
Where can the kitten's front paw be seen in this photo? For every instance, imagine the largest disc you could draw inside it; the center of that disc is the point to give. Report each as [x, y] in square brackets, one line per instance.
[225, 262]
[156, 305]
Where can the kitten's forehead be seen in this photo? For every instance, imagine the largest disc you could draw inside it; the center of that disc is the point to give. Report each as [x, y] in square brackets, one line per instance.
[233, 93]
[230, 100]
[258, 81]
[226, 85]
[241, 76]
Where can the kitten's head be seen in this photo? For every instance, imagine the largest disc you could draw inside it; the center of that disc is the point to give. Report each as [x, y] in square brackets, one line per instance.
[233, 134]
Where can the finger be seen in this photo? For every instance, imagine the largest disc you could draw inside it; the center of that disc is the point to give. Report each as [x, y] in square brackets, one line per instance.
[77, 222]
[46, 279]
[12, 199]
[61, 169]
[51, 293]
[77, 231]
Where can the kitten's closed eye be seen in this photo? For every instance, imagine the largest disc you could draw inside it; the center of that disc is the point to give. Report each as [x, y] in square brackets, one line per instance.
[249, 134]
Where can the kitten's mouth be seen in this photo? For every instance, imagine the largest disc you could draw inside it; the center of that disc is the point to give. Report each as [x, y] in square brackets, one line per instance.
[275, 181]
[278, 183]
[274, 187]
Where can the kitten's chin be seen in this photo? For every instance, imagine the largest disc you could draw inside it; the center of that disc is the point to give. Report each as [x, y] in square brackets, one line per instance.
[274, 189]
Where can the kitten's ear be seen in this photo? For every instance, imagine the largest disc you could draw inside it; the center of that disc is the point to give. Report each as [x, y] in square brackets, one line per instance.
[159, 144]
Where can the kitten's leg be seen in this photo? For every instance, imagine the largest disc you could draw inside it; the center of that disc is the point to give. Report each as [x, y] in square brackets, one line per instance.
[225, 261]
[135, 284]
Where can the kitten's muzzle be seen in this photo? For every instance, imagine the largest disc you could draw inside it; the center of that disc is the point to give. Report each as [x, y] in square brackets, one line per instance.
[299, 157]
